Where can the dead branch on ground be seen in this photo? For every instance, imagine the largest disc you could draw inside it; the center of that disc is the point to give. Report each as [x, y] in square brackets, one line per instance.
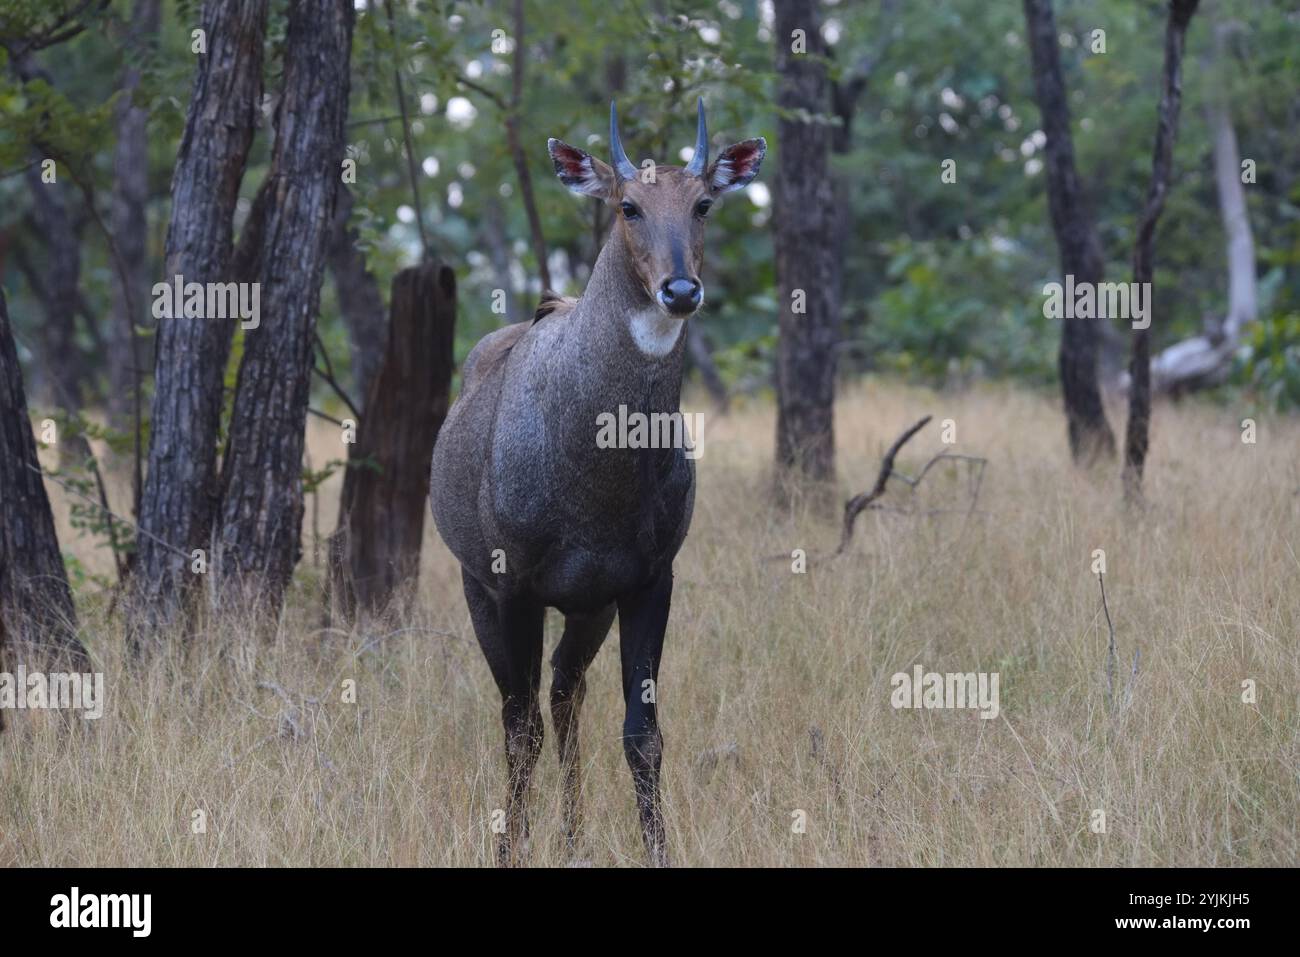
[867, 500]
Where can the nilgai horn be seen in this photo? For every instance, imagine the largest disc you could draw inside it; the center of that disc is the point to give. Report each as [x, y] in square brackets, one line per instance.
[539, 514]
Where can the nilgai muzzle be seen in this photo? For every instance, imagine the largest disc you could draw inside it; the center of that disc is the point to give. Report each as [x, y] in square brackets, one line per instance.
[540, 514]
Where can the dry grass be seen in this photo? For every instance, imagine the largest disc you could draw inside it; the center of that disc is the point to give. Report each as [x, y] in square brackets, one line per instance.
[775, 687]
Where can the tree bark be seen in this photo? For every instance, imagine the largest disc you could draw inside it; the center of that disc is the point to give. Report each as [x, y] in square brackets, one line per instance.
[129, 226]
[806, 261]
[376, 549]
[360, 301]
[259, 537]
[35, 600]
[1076, 238]
[1137, 434]
[1206, 360]
[179, 498]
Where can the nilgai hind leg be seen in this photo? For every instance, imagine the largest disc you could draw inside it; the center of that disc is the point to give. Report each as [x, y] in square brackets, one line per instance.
[509, 631]
[583, 636]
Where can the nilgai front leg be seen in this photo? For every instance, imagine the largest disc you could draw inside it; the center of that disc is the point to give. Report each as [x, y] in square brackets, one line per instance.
[642, 618]
[521, 714]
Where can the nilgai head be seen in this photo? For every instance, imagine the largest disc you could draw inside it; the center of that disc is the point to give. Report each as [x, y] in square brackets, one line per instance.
[661, 209]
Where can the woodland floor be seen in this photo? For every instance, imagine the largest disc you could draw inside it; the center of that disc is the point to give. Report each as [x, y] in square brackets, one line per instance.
[775, 688]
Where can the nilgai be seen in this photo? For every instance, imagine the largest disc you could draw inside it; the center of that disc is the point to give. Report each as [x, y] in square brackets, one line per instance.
[540, 514]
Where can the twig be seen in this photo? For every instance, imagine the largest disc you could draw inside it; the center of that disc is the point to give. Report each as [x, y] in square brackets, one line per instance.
[1110, 650]
[517, 149]
[377, 121]
[324, 415]
[1111, 658]
[482, 90]
[868, 500]
[406, 135]
[129, 524]
[1128, 688]
[511, 110]
[103, 503]
[328, 375]
[854, 506]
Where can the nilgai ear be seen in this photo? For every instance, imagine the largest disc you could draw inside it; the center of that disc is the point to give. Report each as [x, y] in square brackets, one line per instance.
[737, 165]
[580, 171]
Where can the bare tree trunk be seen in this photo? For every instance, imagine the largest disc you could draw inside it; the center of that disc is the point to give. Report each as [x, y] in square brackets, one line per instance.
[517, 149]
[259, 537]
[129, 226]
[57, 286]
[58, 290]
[360, 301]
[1137, 435]
[806, 262]
[1076, 237]
[180, 491]
[376, 550]
[845, 94]
[35, 601]
[492, 228]
[1206, 360]
[701, 356]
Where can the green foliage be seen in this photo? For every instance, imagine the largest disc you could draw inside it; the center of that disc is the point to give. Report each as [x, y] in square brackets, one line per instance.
[960, 308]
[83, 479]
[1269, 362]
[313, 479]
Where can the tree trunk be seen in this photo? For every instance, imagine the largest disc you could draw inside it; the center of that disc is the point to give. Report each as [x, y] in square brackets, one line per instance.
[179, 498]
[129, 226]
[360, 301]
[806, 261]
[1137, 435]
[259, 537]
[1076, 238]
[496, 243]
[1206, 360]
[58, 290]
[845, 93]
[701, 356]
[376, 549]
[517, 151]
[35, 601]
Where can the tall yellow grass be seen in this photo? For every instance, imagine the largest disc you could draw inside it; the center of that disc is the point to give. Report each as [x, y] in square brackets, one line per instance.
[775, 688]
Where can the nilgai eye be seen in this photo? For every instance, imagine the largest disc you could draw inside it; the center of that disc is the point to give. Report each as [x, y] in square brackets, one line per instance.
[703, 206]
[630, 211]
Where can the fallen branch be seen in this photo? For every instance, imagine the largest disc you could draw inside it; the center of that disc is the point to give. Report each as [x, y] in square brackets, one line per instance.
[860, 503]
[854, 506]
[867, 500]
